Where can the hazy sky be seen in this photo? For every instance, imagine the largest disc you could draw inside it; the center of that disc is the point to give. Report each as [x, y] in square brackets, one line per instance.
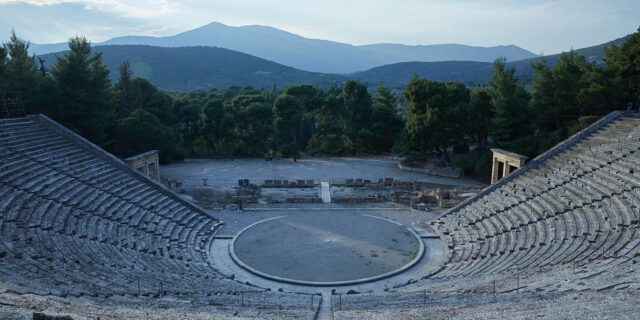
[539, 26]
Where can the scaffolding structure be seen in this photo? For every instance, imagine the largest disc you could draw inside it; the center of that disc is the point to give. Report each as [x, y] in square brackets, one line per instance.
[11, 105]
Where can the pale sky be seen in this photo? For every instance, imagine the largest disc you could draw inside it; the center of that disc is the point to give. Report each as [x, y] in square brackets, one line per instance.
[539, 26]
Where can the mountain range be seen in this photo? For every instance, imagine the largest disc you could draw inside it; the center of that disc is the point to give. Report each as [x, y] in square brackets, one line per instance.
[309, 54]
[470, 72]
[190, 67]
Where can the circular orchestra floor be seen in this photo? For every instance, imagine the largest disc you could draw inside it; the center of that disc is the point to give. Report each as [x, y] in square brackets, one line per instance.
[326, 248]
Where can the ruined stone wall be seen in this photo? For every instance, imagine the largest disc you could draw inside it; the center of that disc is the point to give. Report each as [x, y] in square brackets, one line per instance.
[147, 163]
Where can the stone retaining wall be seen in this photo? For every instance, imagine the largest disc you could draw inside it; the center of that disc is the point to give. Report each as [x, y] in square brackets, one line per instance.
[444, 172]
[278, 183]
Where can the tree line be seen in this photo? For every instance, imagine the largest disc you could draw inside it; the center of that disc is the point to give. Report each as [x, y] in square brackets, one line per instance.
[427, 118]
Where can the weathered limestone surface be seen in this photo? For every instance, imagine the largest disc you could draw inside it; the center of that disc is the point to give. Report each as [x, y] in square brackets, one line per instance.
[147, 163]
[558, 238]
[77, 222]
[507, 160]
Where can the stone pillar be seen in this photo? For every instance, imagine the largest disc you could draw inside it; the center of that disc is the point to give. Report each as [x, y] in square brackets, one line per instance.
[155, 167]
[148, 163]
[508, 159]
[494, 170]
[505, 169]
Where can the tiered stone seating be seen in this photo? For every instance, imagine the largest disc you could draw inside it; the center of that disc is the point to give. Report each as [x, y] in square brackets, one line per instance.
[75, 221]
[562, 232]
[568, 206]
[464, 305]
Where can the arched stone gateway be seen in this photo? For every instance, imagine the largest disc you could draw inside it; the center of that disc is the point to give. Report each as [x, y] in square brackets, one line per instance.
[326, 248]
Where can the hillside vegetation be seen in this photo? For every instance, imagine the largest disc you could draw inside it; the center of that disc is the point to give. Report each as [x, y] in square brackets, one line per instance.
[191, 68]
[469, 72]
[339, 120]
[309, 54]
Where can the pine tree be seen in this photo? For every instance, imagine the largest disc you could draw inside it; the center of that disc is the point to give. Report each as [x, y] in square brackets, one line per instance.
[542, 99]
[142, 131]
[82, 92]
[124, 91]
[357, 107]
[627, 58]
[569, 78]
[604, 91]
[479, 114]
[287, 114]
[3, 67]
[386, 124]
[511, 128]
[210, 123]
[21, 75]
[436, 114]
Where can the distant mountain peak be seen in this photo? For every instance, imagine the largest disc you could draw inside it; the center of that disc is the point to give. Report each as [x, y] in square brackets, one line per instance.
[312, 54]
[204, 67]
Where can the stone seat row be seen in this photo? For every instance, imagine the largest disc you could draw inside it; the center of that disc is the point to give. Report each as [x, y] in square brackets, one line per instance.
[583, 227]
[566, 208]
[73, 266]
[35, 211]
[81, 272]
[74, 221]
[139, 193]
[68, 213]
[68, 196]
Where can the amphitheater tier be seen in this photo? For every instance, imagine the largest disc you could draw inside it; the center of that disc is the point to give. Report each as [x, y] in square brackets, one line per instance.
[556, 237]
[76, 221]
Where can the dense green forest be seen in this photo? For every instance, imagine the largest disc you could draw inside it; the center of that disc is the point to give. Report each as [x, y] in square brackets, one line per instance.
[472, 73]
[202, 68]
[196, 68]
[427, 118]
